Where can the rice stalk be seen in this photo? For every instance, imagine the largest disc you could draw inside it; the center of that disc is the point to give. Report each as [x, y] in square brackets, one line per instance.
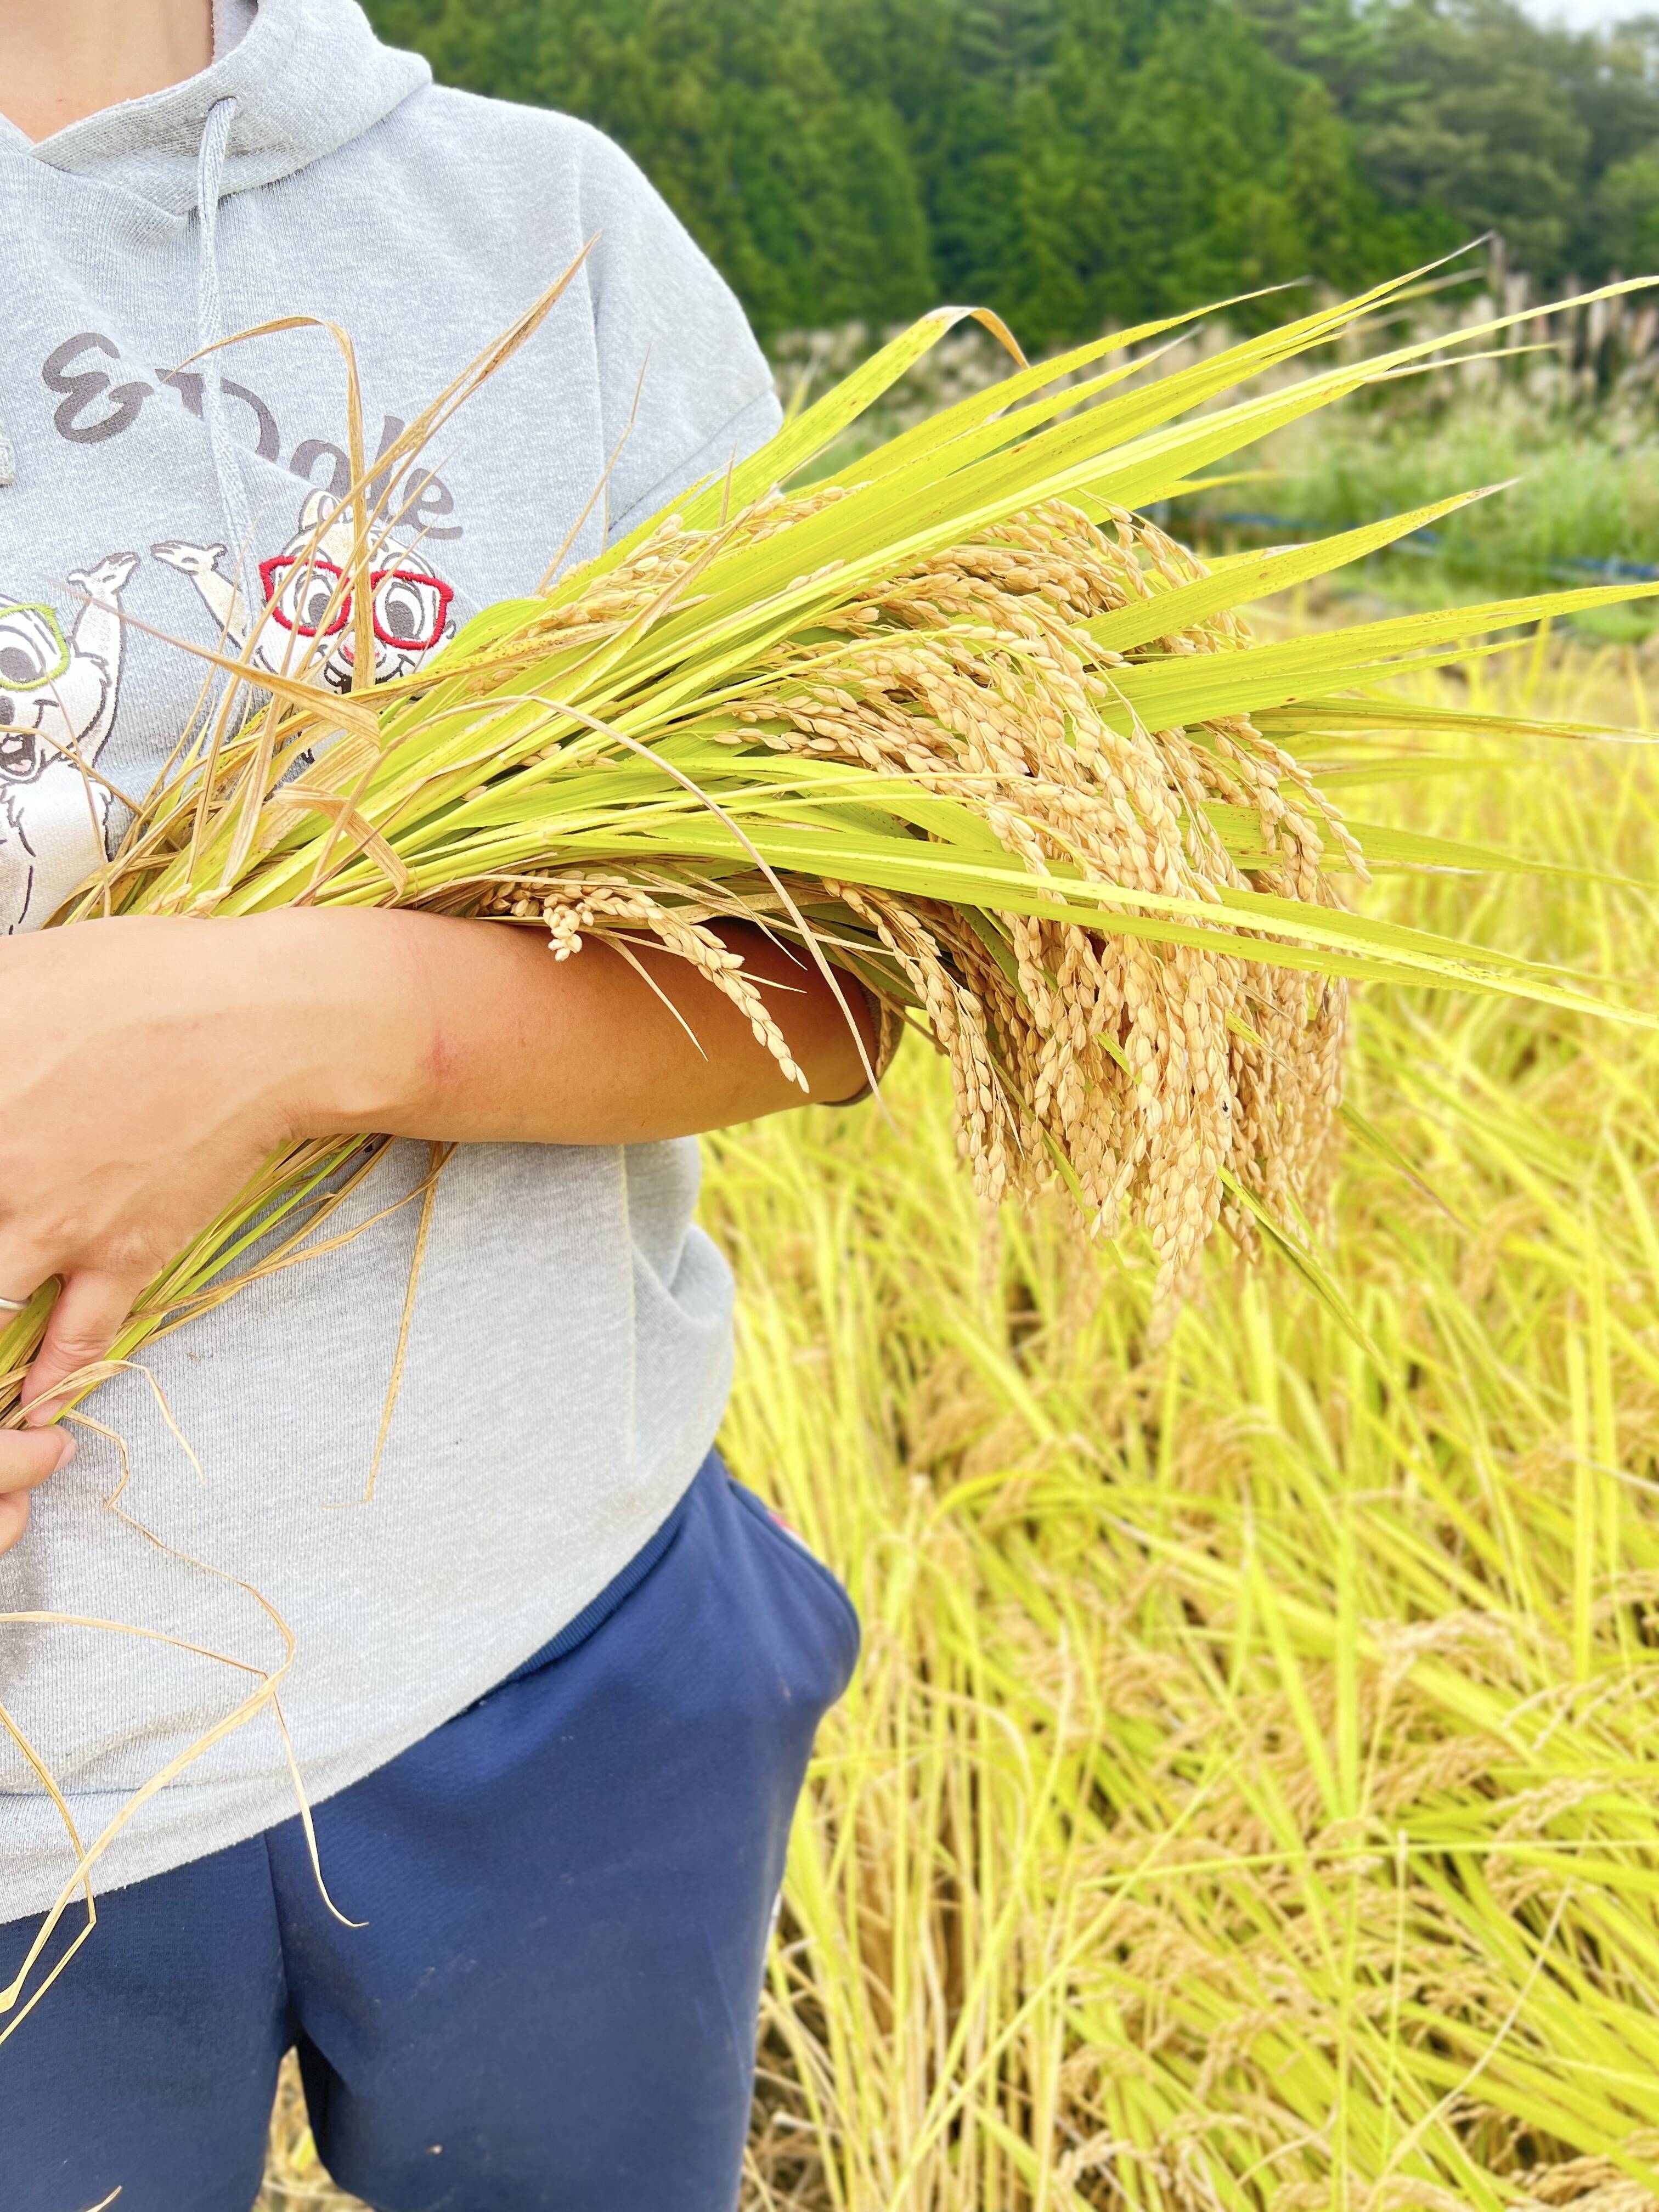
[1228, 1811]
[1223, 1815]
[958, 720]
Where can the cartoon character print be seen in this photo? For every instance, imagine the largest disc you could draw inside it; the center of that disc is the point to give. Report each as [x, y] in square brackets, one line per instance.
[57, 702]
[307, 628]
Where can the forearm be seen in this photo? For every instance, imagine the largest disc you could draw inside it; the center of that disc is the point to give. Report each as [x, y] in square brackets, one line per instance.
[472, 1033]
[153, 1063]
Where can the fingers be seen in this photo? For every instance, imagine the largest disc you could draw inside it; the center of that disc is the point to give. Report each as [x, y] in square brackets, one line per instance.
[27, 1458]
[85, 1323]
[14, 1519]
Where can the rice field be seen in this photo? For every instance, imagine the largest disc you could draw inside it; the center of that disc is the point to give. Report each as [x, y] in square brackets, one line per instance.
[1249, 1796]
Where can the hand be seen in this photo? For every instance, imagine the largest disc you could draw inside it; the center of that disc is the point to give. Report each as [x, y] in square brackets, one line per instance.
[27, 1456]
[150, 1067]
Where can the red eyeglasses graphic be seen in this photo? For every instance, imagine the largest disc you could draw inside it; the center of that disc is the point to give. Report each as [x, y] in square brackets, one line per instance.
[305, 595]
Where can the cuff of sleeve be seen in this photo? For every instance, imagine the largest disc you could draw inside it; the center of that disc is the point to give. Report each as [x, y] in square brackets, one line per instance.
[890, 1029]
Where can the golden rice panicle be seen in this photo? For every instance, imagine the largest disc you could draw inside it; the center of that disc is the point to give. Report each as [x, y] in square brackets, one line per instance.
[1143, 1072]
[617, 910]
[1147, 1070]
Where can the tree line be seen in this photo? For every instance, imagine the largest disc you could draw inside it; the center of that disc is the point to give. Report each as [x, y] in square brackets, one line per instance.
[1072, 162]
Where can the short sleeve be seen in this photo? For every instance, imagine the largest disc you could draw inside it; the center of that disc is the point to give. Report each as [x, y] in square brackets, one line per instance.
[685, 389]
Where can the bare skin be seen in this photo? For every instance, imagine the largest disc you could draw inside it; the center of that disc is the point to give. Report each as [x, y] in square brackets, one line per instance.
[77, 57]
[151, 1064]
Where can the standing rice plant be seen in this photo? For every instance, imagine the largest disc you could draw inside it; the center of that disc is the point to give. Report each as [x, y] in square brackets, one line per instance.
[1249, 1796]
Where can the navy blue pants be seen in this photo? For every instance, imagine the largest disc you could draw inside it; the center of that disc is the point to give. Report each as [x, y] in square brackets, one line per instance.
[567, 1889]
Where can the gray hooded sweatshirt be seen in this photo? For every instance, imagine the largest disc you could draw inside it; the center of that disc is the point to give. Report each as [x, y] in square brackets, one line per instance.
[570, 1348]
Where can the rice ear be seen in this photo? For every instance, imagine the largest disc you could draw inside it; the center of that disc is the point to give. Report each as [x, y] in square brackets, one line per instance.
[958, 715]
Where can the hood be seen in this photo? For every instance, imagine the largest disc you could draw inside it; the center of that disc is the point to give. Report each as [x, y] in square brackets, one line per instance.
[307, 76]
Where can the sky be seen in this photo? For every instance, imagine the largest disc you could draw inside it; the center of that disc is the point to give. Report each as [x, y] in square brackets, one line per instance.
[1584, 14]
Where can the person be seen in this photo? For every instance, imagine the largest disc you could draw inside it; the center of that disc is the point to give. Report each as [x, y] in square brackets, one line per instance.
[554, 1687]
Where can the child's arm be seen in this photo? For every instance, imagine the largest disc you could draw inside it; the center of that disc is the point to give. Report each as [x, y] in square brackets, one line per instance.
[150, 1064]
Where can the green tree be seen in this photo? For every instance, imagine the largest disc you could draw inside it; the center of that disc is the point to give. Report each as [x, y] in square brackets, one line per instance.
[1065, 162]
[1627, 210]
[1473, 113]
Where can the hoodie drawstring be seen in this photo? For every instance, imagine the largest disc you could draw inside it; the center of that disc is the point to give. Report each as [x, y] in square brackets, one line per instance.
[209, 330]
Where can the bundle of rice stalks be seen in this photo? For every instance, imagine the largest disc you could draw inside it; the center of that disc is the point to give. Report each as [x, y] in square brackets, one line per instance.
[952, 720]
